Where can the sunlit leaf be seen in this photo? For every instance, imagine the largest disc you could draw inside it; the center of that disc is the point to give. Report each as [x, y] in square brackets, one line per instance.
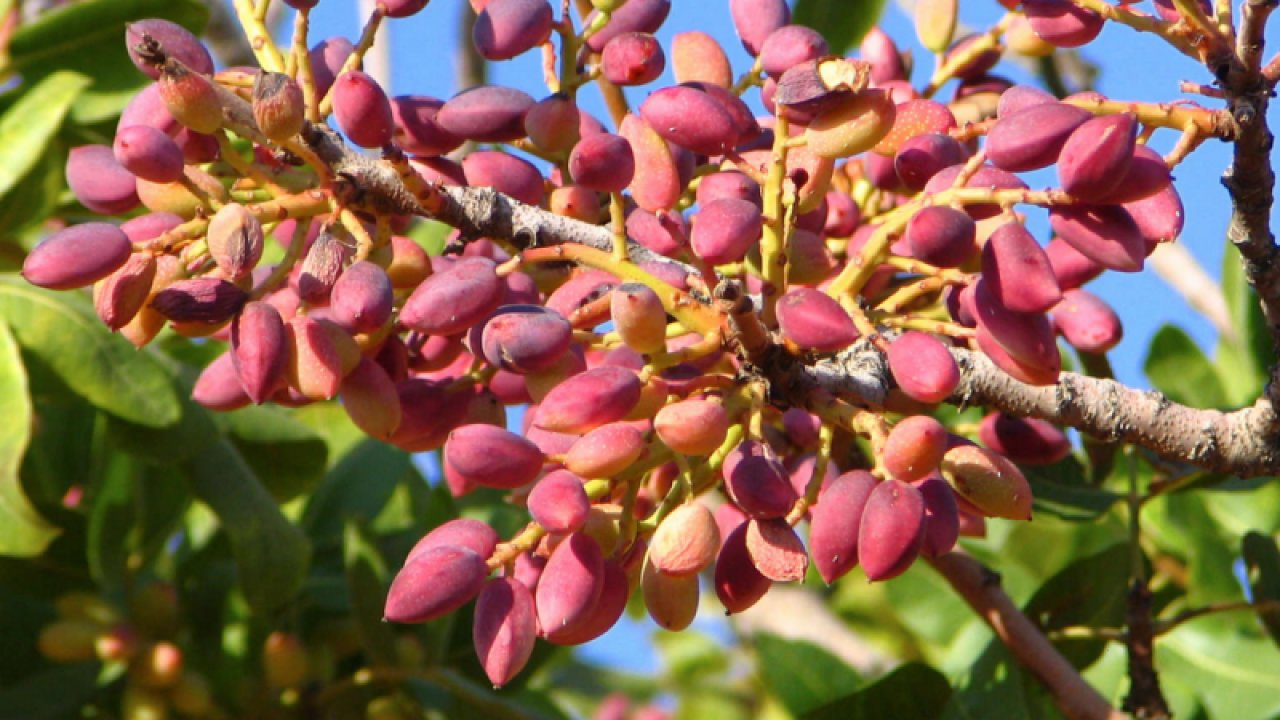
[1179, 369]
[841, 22]
[28, 126]
[65, 333]
[22, 530]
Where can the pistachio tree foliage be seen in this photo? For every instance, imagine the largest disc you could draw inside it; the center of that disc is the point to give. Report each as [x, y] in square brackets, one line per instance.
[774, 342]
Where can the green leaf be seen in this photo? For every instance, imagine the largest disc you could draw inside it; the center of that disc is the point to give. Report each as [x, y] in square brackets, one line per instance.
[431, 235]
[30, 203]
[53, 693]
[367, 581]
[22, 530]
[997, 687]
[1091, 592]
[28, 126]
[801, 675]
[1235, 674]
[1262, 559]
[712, 702]
[1062, 489]
[914, 690]
[112, 520]
[1178, 368]
[67, 335]
[272, 554]
[357, 487]
[1182, 524]
[841, 22]
[161, 506]
[288, 455]
[691, 657]
[89, 38]
[1244, 359]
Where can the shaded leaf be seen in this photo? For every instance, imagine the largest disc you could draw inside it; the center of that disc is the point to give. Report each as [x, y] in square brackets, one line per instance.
[914, 690]
[471, 699]
[111, 521]
[56, 692]
[22, 530]
[63, 331]
[288, 455]
[841, 22]
[1262, 560]
[1062, 489]
[690, 657]
[1177, 367]
[195, 429]
[1091, 592]
[271, 554]
[997, 687]
[367, 581]
[162, 501]
[356, 488]
[802, 675]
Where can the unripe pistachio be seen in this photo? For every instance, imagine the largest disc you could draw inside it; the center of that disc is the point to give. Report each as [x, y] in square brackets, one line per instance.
[191, 98]
[989, 481]
[686, 541]
[278, 106]
[235, 240]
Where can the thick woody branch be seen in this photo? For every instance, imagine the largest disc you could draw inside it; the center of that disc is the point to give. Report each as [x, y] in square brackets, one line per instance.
[1250, 180]
[981, 589]
[1243, 442]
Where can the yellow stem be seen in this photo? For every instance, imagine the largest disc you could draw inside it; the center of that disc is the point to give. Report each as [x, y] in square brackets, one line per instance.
[302, 61]
[356, 58]
[618, 223]
[255, 30]
[1141, 23]
[691, 313]
[772, 240]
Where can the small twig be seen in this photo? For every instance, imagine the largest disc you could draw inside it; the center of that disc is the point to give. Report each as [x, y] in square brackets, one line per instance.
[1164, 627]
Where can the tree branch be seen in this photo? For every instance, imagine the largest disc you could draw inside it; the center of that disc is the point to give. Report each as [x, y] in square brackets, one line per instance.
[1250, 179]
[1244, 442]
[980, 588]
